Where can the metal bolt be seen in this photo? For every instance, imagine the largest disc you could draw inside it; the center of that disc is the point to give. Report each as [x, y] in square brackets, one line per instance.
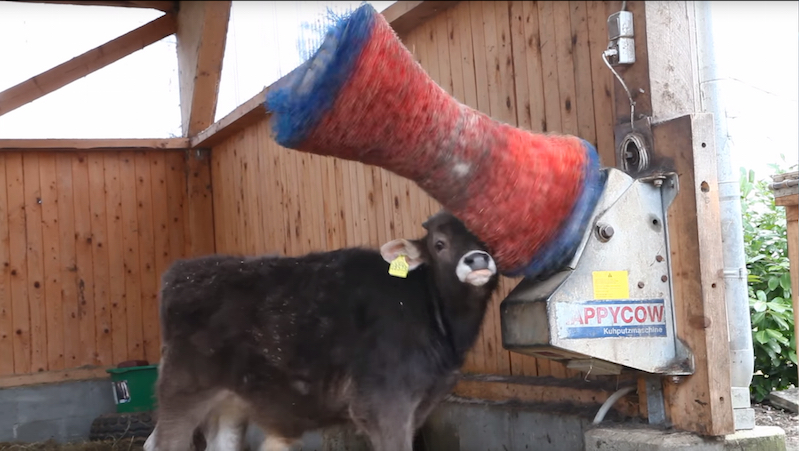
[659, 258]
[605, 231]
[658, 183]
[676, 379]
[664, 278]
[640, 284]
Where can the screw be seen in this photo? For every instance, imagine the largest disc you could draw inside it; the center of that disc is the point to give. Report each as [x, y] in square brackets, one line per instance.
[676, 379]
[658, 183]
[605, 231]
[640, 284]
[664, 278]
[659, 258]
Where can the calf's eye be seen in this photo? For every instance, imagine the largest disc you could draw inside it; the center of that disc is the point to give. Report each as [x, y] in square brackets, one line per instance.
[439, 245]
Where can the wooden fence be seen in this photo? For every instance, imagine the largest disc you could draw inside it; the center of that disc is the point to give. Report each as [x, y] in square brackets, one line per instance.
[84, 237]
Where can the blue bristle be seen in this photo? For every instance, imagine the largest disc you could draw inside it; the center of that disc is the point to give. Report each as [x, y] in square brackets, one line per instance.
[555, 254]
[295, 112]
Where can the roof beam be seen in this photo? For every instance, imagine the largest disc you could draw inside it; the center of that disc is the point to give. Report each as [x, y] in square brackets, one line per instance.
[404, 16]
[83, 65]
[94, 144]
[161, 6]
[201, 34]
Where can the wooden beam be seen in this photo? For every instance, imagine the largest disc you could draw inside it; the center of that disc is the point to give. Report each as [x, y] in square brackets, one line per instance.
[201, 32]
[242, 117]
[94, 144]
[545, 390]
[83, 65]
[404, 16]
[702, 402]
[161, 6]
[49, 377]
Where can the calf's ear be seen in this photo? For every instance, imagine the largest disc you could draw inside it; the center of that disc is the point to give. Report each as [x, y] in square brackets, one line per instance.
[410, 249]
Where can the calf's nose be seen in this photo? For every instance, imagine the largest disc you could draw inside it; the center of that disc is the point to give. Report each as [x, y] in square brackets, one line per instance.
[477, 260]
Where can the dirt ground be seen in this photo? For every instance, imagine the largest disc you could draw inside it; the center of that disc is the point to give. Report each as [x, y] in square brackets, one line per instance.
[768, 415]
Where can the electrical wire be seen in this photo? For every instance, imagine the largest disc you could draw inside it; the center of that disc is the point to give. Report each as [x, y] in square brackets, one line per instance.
[624, 85]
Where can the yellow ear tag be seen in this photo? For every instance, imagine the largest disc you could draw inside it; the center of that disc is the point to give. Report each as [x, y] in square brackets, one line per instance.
[398, 267]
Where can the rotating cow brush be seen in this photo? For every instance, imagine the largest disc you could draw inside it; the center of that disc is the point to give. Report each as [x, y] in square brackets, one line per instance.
[362, 97]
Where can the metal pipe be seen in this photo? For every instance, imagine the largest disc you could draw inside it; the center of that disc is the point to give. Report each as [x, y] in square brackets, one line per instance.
[603, 410]
[711, 100]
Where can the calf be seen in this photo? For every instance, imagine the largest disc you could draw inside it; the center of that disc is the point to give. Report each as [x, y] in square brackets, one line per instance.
[300, 343]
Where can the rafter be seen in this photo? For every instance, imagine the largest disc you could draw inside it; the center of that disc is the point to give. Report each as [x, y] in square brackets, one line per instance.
[83, 65]
[161, 6]
[201, 34]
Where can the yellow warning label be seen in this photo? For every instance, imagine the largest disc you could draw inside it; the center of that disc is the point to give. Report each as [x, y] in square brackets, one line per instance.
[398, 267]
[611, 285]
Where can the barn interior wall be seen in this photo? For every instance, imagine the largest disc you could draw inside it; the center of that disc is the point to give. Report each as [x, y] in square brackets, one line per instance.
[534, 65]
[84, 237]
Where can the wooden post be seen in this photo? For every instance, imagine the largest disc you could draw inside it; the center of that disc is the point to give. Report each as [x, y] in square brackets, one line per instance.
[664, 85]
[788, 197]
[201, 36]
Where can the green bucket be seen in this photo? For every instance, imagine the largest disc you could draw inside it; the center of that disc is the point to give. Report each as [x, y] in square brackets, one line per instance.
[134, 388]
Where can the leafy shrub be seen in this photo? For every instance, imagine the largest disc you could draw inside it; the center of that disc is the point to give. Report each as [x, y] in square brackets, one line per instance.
[766, 244]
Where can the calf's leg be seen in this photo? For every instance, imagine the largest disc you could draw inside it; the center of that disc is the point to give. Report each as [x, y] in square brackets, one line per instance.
[178, 417]
[388, 424]
[226, 425]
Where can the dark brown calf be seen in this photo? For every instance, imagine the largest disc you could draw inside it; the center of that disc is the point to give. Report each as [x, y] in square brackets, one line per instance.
[295, 344]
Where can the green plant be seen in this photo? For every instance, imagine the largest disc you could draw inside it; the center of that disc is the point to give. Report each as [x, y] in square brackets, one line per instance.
[767, 261]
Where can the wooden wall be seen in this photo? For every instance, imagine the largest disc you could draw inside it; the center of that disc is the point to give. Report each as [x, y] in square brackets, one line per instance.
[535, 65]
[84, 237]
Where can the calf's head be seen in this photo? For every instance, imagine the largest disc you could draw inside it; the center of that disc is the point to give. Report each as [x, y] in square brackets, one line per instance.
[456, 257]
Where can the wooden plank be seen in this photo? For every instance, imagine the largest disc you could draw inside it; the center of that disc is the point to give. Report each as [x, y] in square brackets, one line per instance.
[544, 390]
[699, 403]
[166, 6]
[36, 295]
[404, 16]
[602, 82]
[83, 258]
[116, 256]
[787, 201]
[6, 303]
[69, 282]
[549, 65]
[162, 244]
[530, 48]
[130, 256]
[49, 377]
[201, 36]
[94, 144]
[83, 65]
[200, 205]
[52, 262]
[100, 260]
[147, 274]
[583, 84]
[176, 198]
[565, 65]
[18, 265]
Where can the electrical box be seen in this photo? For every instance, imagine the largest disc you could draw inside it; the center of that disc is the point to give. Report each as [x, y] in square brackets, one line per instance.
[621, 36]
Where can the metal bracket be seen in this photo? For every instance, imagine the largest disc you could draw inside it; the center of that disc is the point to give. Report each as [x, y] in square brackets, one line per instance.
[200, 153]
[655, 405]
